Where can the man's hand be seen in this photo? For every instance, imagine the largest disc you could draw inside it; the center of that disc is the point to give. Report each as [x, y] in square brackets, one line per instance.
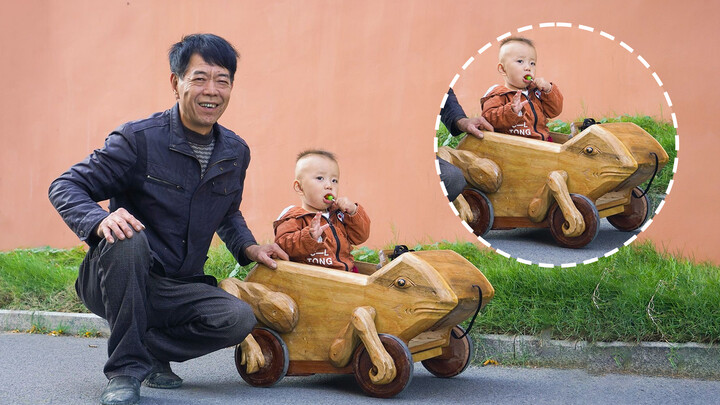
[518, 105]
[316, 227]
[265, 254]
[472, 126]
[121, 223]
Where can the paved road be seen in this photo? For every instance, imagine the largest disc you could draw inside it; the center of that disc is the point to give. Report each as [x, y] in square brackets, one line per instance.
[538, 246]
[41, 369]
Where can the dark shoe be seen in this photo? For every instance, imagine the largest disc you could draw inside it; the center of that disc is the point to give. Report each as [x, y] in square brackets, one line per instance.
[121, 390]
[161, 376]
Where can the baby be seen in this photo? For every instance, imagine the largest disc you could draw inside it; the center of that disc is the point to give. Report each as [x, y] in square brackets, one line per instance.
[523, 106]
[322, 230]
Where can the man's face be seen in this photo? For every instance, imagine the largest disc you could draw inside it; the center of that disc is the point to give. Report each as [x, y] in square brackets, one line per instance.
[517, 60]
[203, 93]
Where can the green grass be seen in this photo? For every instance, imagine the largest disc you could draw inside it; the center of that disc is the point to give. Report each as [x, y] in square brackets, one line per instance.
[635, 295]
[40, 279]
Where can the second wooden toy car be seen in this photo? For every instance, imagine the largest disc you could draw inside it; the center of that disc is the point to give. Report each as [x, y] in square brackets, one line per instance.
[566, 185]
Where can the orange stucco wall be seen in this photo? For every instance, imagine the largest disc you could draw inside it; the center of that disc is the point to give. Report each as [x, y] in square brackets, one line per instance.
[363, 79]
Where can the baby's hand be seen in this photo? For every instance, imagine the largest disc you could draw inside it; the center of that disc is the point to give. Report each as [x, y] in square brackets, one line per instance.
[542, 84]
[518, 105]
[345, 204]
[316, 230]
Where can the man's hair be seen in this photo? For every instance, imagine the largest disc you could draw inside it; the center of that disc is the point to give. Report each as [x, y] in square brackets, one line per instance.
[516, 39]
[318, 152]
[212, 48]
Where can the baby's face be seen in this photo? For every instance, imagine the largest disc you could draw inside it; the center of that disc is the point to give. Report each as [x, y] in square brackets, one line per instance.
[316, 177]
[517, 60]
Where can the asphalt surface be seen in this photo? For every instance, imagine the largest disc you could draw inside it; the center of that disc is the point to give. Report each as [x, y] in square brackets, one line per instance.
[42, 369]
[536, 245]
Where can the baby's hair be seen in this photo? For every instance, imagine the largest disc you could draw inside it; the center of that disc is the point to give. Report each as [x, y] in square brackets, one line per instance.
[319, 152]
[516, 39]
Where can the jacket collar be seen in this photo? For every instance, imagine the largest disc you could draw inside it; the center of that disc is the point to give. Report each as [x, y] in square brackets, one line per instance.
[178, 142]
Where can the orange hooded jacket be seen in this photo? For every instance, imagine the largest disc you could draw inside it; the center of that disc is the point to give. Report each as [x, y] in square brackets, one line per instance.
[497, 109]
[292, 234]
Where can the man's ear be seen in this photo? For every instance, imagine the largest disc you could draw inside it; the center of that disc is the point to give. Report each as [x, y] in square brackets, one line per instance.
[174, 84]
[297, 187]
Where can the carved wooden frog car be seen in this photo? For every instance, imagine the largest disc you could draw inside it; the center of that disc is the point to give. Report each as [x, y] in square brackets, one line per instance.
[566, 185]
[374, 324]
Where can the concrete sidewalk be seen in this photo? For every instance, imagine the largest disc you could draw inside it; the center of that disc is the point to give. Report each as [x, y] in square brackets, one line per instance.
[648, 358]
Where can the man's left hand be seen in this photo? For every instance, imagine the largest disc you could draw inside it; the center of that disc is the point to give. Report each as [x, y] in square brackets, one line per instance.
[473, 126]
[264, 254]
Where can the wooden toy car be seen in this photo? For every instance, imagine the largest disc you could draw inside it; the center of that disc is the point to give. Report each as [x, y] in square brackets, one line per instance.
[566, 185]
[374, 324]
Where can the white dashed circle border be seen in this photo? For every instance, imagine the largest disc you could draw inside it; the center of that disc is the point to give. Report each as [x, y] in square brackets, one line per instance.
[630, 50]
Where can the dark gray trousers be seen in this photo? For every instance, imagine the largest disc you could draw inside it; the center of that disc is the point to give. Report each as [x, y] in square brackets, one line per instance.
[152, 316]
[453, 178]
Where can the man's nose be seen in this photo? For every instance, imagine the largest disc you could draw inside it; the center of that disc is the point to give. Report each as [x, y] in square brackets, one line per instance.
[210, 87]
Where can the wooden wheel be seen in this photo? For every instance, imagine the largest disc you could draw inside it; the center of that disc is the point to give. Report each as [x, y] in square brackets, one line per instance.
[362, 366]
[639, 208]
[454, 359]
[482, 211]
[590, 215]
[276, 355]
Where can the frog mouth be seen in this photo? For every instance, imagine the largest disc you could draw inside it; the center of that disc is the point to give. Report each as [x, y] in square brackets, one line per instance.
[441, 309]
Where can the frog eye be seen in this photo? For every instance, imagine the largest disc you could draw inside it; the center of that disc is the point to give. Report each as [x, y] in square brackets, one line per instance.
[400, 282]
[589, 150]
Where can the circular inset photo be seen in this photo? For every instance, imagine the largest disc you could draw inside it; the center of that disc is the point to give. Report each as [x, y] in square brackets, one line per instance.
[556, 144]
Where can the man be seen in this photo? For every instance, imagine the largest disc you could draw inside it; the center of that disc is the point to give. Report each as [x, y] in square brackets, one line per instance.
[173, 180]
[454, 118]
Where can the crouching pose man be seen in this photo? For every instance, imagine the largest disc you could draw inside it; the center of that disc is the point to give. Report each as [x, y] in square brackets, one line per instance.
[173, 180]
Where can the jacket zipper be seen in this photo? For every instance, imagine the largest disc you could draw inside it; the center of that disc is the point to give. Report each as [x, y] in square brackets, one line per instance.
[534, 115]
[153, 178]
[216, 162]
[337, 240]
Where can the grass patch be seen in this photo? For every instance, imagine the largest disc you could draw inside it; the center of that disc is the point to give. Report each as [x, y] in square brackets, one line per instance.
[634, 295]
[40, 279]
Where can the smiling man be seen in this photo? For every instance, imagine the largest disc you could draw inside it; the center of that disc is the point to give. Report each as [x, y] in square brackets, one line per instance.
[173, 180]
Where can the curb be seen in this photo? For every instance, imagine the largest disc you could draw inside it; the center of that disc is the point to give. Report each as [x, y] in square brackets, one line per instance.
[69, 323]
[694, 360]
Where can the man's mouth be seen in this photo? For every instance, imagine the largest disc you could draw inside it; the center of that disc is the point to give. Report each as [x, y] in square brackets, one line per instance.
[208, 105]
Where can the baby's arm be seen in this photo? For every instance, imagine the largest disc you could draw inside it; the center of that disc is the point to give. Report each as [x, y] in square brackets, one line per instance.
[551, 99]
[295, 238]
[357, 226]
[501, 114]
